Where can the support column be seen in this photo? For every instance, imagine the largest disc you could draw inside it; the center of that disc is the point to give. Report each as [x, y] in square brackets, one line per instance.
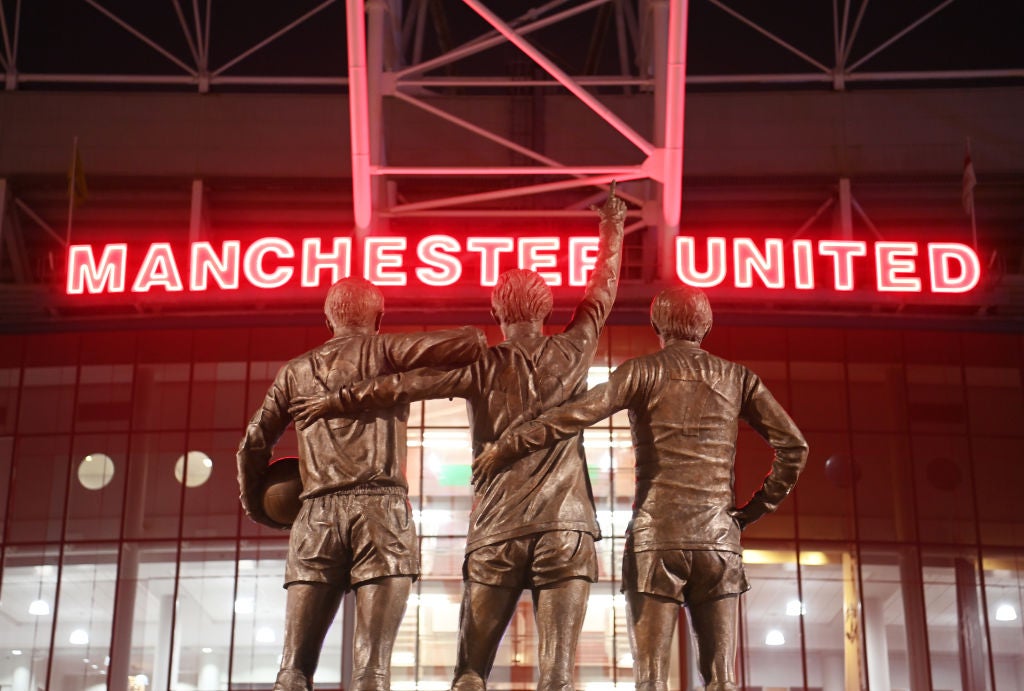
[852, 620]
[912, 590]
[197, 223]
[877, 643]
[164, 639]
[844, 222]
[968, 615]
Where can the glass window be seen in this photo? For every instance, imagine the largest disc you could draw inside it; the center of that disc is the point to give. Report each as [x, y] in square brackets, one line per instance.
[10, 378]
[205, 593]
[1004, 596]
[211, 508]
[772, 636]
[823, 498]
[942, 487]
[883, 481]
[999, 476]
[41, 471]
[95, 505]
[956, 621]
[259, 608]
[81, 646]
[29, 582]
[153, 498]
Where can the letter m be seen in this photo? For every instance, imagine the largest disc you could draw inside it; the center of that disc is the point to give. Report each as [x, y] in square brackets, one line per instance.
[85, 275]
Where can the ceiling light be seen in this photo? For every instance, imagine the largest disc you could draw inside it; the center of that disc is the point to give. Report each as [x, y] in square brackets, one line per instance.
[40, 608]
[774, 637]
[79, 637]
[795, 608]
[1006, 612]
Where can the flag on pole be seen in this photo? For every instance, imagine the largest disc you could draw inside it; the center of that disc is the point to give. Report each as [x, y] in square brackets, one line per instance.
[969, 182]
[78, 190]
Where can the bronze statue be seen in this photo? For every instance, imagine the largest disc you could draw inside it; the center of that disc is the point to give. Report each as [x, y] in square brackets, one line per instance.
[683, 542]
[354, 530]
[534, 527]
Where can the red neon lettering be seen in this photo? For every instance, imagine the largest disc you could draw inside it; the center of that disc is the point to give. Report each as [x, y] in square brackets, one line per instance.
[381, 254]
[252, 265]
[535, 254]
[686, 268]
[747, 259]
[444, 269]
[338, 261]
[940, 254]
[158, 269]
[843, 252]
[489, 249]
[803, 266]
[582, 259]
[891, 261]
[205, 263]
[85, 276]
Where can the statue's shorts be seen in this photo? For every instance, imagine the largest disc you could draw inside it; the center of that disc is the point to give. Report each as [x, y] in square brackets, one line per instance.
[345, 539]
[533, 561]
[688, 576]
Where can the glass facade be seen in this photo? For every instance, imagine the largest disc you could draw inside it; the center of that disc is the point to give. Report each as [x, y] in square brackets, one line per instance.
[125, 562]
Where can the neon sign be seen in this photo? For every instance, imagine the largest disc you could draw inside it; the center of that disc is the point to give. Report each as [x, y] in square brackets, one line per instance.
[442, 260]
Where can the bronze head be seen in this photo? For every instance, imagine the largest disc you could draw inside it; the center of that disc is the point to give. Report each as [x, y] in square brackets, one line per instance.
[521, 296]
[354, 302]
[681, 313]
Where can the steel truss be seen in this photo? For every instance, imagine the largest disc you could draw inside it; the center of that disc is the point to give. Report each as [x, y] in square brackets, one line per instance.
[386, 42]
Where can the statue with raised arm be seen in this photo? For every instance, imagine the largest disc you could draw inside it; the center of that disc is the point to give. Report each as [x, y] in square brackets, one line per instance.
[683, 542]
[532, 528]
[354, 530]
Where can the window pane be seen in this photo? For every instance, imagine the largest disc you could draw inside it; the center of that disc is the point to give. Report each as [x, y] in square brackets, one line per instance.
[772, 637]
[27, 609]
[37, 493]
[81, 651]
[259, 608]
[154, 497]
[99, 470]
[206, 587]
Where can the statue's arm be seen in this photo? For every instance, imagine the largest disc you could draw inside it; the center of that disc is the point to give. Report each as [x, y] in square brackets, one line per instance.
[383, 392]
[558, 423]
[257, 446]
[762, 412]
[599, 296]
[443, 349]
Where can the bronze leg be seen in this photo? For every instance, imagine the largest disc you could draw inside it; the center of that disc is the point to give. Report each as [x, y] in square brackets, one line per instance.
[380, 606]
[309, 611]
[486, 611]
[559, 611]
[652, 625]
[714, 624]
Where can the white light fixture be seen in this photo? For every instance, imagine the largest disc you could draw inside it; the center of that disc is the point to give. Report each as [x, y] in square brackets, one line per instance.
[207, 651]
[40, 608]
[265, 634]
[79, 637]
[795, 608]
[1006, 612]
[193, 468]
[243, 605]
[774, 637]
[15, 652]
[141, 680]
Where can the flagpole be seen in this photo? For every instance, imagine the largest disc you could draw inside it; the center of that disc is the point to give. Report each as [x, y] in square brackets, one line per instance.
[71, 188]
